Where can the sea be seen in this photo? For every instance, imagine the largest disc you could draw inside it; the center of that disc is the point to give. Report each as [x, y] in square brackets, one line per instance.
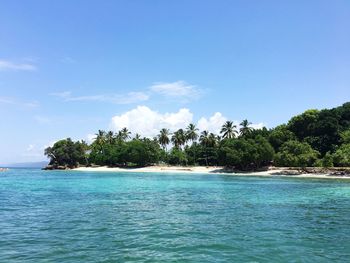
[72, 216]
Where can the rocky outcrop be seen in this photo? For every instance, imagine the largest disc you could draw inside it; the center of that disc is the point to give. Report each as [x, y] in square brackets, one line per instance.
[56, 167]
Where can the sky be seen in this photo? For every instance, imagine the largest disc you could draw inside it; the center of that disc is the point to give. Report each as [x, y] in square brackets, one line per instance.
[69, 68]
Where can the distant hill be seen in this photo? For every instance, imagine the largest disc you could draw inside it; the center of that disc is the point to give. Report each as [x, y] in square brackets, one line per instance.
[26, 165]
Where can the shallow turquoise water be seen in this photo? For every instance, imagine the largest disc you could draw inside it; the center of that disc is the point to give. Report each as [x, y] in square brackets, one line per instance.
[58, 216]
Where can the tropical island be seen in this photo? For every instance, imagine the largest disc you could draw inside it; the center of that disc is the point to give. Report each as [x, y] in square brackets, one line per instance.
[313, 142]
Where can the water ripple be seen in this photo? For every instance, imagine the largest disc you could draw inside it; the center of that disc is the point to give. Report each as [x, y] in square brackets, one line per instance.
[95, 217]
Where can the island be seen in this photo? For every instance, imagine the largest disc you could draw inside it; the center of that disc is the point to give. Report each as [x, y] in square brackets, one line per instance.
[315, 142]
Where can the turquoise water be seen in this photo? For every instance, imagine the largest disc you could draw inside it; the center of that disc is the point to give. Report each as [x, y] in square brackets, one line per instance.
[58, 216]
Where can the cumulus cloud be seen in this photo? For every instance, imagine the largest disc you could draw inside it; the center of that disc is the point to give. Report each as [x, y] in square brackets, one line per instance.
[90, 138]
[147, 122]
[6, 65]
[176, 89]
[258, 126]
[212, 124]
[129, 98]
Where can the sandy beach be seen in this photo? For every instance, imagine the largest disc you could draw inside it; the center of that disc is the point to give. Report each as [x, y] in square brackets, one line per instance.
[274, 172]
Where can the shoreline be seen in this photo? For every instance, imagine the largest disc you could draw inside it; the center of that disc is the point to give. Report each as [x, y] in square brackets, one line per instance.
[272, 172]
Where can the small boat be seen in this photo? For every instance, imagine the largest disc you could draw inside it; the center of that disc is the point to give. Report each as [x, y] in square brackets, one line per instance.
[3, 169]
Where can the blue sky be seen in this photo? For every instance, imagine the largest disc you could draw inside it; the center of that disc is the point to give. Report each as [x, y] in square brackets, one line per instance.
[69, 68]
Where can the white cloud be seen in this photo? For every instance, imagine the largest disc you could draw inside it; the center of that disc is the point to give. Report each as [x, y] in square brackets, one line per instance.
[129, 98]
[42, 119]
[16, 102]
[6, 101]
[258, 126]
[176, 89]
[9, 65]
[68, 60]
[90, 138]
[180, 90]
[50, 144]
[63, 94]
[33, 151]
[30, 147]
[147, 122]
[31, 104]
[213, 124]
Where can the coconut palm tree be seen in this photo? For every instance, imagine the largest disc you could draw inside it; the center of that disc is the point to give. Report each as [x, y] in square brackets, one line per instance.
[212, 140]
[245, 129]
[124, 134]
[192, 135]
[137, 136]
[204, 138]
[163, 137]
[110, 137]
[178, 138]
[100, 139]
[205, 141]
[228, 130]
[191, 132]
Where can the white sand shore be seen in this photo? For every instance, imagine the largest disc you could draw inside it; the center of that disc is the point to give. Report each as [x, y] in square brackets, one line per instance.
[205, 170]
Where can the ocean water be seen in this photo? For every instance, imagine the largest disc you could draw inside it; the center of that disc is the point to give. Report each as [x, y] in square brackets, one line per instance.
[60, 216]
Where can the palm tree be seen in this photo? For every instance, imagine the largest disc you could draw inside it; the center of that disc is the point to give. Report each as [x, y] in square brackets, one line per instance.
[192, 135]
[204, 140]
[110, 137]
[86, 149]
[137, 136]
[228, 130]
[163, 137]
[245, 129]
[212, 140]
[178, 138]
[100, 139]
[124, 134]
[191, 132]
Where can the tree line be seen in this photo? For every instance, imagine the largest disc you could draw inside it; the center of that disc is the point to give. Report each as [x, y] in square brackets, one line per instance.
[313, 138]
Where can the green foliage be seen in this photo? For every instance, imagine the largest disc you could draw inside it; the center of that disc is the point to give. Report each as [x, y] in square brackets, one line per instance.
[67, 153]
[245, 128]
[301, 125]
[315, 137]
[228, 130]
[342, 156]
[137, 152]
[179, 138]
[193, 153]
[246, 153]
[296, 154]
[327, 160]
[142, 152]
[345, 136]
[163, 137]
[280, 135]
[322, 129]
[177, 157]
[254, 133]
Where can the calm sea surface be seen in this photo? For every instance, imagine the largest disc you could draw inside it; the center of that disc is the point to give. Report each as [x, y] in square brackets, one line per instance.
[59, 216]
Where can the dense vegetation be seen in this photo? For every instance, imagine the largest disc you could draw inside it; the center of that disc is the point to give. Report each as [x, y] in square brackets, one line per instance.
[313, 138]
